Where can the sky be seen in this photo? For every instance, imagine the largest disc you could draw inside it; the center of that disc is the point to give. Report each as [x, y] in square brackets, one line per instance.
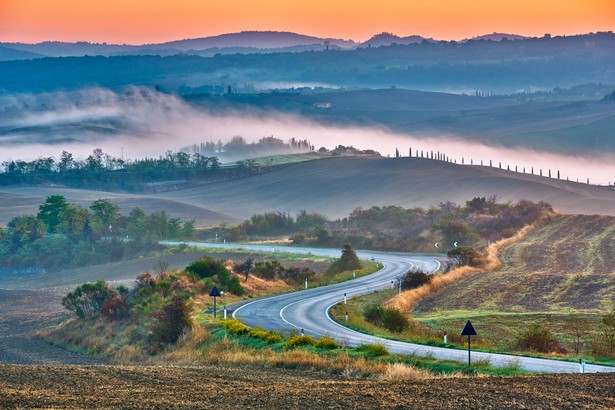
[154, 21]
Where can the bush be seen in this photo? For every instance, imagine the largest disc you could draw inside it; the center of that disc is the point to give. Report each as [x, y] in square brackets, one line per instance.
[237, 328]
[300, 340]
[268, 270]
[374, 350]
[348, 261]
[394, 320]
[115, 306]
[414, 278]
[465, 255]
[295, 274]
[539, 339]
[326, 343]
[373, 314]
[87, 299]
[170, 322]
[207, 268]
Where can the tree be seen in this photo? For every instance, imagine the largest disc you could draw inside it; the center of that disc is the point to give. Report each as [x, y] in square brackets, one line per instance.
[52, 211]
[348, 261]
[104, 213]
[245, 267]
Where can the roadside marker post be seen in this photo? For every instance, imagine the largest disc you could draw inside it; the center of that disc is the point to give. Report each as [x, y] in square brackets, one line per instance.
[344, 298]
[392, 284]
[468, 331]
[346, 316]
[354, 275]
[224, 312]
[306, 283]
[215, 293]
[445, 337]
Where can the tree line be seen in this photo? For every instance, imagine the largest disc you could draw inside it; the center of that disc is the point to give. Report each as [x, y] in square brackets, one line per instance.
[63, 235]
[104, 171]
[395, 228]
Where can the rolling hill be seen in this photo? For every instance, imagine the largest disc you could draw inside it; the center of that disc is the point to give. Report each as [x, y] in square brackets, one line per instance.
[334, 187]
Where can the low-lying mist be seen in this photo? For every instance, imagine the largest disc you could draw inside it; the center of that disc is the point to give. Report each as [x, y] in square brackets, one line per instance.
[136, 123]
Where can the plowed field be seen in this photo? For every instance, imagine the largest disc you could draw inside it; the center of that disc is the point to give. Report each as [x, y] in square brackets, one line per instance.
[225, 387]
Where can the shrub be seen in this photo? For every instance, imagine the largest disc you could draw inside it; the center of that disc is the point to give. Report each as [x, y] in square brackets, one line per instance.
[170, 322]
[414, 278]
[326, 343]
[268, 270]
[237, 328]
[207, 268]
[374, 350]
[348, 261]
[465, 255]
[295, 274]
[87, 299]
[394, 320]
[300, 340]
[373, 314]
[540, 339]
[115, 306]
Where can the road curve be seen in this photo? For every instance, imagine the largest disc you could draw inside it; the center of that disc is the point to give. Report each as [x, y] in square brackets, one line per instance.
[308, 310]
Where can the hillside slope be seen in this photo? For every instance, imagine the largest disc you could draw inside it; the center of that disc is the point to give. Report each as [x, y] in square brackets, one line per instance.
[334, 187]
[565, 266]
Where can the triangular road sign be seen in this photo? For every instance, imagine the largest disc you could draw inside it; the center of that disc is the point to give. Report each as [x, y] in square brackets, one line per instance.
[215, 292]
[468, 330]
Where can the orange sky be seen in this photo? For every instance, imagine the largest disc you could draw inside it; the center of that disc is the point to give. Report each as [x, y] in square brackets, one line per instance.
[151, 21]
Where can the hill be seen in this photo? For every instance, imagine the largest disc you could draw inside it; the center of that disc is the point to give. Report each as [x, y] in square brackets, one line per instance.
[564, 266]
[493, 66]
[334, 187]
[560, 277]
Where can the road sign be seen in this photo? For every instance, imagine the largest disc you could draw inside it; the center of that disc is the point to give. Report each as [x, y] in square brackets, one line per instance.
[455, 244]
[215, 293]
[436, 244]
[468, 331]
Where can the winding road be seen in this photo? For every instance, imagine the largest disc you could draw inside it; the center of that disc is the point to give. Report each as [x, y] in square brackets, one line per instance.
[308, 310]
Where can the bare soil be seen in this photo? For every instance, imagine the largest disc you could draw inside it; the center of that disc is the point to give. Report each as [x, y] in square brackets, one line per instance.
[231, 387]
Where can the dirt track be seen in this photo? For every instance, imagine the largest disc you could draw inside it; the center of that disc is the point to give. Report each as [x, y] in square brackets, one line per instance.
[224, 387]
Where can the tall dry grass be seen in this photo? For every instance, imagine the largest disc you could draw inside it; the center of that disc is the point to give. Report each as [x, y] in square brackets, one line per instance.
[406, 300]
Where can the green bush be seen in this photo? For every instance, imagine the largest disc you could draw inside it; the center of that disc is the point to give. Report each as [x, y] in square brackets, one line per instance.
[394, 320]
[374, 350]
[87, 299]
[348, 261]
[373, 314]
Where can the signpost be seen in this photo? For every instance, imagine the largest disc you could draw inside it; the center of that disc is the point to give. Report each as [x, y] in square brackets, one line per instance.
[468, 331]
[215, 293]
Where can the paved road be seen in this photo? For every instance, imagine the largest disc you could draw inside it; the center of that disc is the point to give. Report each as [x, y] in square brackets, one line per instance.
[308, 310]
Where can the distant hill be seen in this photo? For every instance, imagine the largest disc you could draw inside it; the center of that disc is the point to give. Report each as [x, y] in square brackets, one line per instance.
[498, 37]
[254, 39]
[246, 41]
[386, 39]
[494, 67]
[7, 53]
